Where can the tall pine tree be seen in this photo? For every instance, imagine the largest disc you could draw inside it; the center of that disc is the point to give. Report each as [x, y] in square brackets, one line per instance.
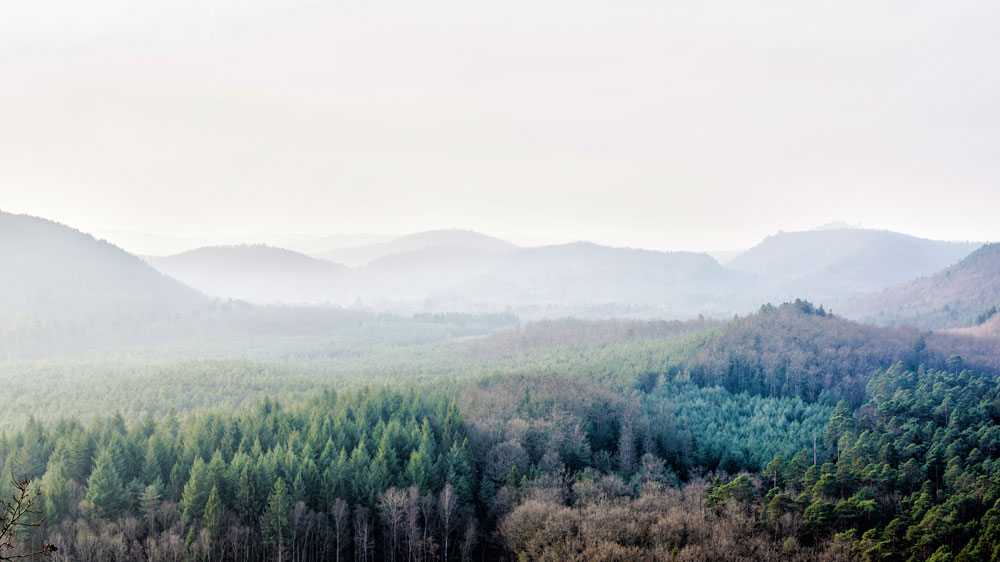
[276, 524]
[104, 487]
[196, 492]
[214, 518]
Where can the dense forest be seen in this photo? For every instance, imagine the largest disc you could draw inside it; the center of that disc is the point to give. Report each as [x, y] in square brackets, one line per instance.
[544, 468]
[558, 440]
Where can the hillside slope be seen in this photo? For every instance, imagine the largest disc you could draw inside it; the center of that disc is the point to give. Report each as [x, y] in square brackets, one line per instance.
[58, 284]
[950, 298]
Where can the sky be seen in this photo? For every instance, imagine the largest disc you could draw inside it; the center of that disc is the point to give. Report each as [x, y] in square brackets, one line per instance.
[667, 125]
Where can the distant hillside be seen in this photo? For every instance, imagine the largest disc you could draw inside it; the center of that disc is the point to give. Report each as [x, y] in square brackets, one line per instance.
[363, 255]
[419, 273]
[59, 285]
[834, 263]
[582, 273]
[258, 274]
[950, 298]
[987, 325]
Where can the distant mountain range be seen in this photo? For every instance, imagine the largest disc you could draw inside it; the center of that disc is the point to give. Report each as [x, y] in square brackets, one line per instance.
[953, 297]
[53, 270]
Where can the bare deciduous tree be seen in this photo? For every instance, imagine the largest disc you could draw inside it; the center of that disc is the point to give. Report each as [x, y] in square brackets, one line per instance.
[17, 513]
[469, 539]
[392, 508]
[414, 548]
[362, 534]
[447, 511]
[339, 513]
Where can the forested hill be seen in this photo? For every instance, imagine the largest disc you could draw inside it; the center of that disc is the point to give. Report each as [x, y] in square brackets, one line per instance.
[257, 273]
[797, 349]
[954, 297]
[835, 263]
[59, 283]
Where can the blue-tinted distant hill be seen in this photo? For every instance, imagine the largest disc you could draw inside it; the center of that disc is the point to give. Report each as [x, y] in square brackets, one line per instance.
[835, 263]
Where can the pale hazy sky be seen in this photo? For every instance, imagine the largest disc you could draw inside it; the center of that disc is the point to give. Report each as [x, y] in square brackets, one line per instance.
[685, 125]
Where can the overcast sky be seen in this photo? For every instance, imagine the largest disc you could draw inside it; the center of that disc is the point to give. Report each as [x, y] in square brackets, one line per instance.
[672, 125]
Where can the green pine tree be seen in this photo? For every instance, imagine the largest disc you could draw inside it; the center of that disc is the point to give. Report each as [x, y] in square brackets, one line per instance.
[104, 487]
[458, 470]
[55, 493]
[195, 494]
[214, 518]
[418, 470]
[247, 496]
[276, 525]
